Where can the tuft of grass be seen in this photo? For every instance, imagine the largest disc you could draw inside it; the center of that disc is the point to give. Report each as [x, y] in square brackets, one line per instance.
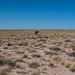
[57, 59]
[18, 64]
[66, 64]
[25, 55]
[36, 55]
[51, 64]
[10, 44]
[72, 67]
[35, 72]
[4, 72]
[7, 62]
[55, 48]
[34, 64]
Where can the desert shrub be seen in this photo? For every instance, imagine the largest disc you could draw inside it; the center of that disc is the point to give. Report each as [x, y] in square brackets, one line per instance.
[25, 55]
[22, 44]
[55, 48]
[4, 72]
[36, 32]
[57, 59]
[18, 64]
[34, 64]
[66, 64]
[71, 54]
[35, 72]
[6, 47]
[32, 51]
[15, 47]
[19, 60]
[48, 52]
[36, 55]
[51, 64]
[9, 44]
[67, 40]
[72, 67]
[7, 62]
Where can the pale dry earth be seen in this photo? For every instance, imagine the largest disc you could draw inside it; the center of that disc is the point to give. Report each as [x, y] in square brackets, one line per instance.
[47, 53]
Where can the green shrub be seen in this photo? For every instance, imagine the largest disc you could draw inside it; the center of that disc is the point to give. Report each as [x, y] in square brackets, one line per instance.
[36, 32]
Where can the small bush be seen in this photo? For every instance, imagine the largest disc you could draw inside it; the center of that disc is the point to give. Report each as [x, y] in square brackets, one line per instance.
[55, 48]
[22, 43]
[72, 68]
[7, 62]
[6, 47]
[34, 64]
[35, 72]
[18, 64]
[25, 55]
[36, 32]
[9, 44]
[4, 72]
[51, 64]
[36, 55]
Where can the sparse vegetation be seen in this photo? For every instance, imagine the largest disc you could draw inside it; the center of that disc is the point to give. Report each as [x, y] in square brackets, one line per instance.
[34, 64]
[25, 55]
[7, 62]
[49, 51]
[4, 72]
[35, 72]
[36, 55]
[72, 68]
[9, 44]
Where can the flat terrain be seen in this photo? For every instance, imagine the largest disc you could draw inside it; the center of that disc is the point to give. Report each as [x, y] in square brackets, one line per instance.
[50, 52]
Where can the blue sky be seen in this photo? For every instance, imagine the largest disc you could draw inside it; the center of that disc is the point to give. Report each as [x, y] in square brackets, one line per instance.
[37, 14]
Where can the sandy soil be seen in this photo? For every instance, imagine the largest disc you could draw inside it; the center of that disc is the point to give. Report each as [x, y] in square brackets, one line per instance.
[37, 54]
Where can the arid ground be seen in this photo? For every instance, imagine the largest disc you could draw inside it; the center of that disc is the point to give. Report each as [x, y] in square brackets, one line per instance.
[47, 52]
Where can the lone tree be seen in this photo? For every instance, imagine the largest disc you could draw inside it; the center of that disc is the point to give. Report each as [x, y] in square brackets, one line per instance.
[36, 32]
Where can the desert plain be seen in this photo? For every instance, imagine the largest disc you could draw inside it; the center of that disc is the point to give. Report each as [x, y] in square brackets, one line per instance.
[37, 52]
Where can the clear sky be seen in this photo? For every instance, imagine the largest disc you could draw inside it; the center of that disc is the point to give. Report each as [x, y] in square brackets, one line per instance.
[37, 14]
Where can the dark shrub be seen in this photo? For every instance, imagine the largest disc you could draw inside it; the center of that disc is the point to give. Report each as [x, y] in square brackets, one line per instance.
[36, 32]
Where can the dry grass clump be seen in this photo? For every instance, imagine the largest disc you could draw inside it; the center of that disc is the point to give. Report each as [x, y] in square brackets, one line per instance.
[66, 64]
[51, 64]
[7, 62]
[38, 44]
[15, 47]
[35, 72]
[34, 64]
[19, 52]
[4, 72]
[18, 64]
[55, 48]
[10, 44]
[50, 53]
[32, 51]
[22, 43]
[5, 47]
[25, 55]
[36, 55]
[72, 67]
[57, 59]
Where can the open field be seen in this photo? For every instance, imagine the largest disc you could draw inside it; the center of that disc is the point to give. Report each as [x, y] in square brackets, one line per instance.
[50, 52]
